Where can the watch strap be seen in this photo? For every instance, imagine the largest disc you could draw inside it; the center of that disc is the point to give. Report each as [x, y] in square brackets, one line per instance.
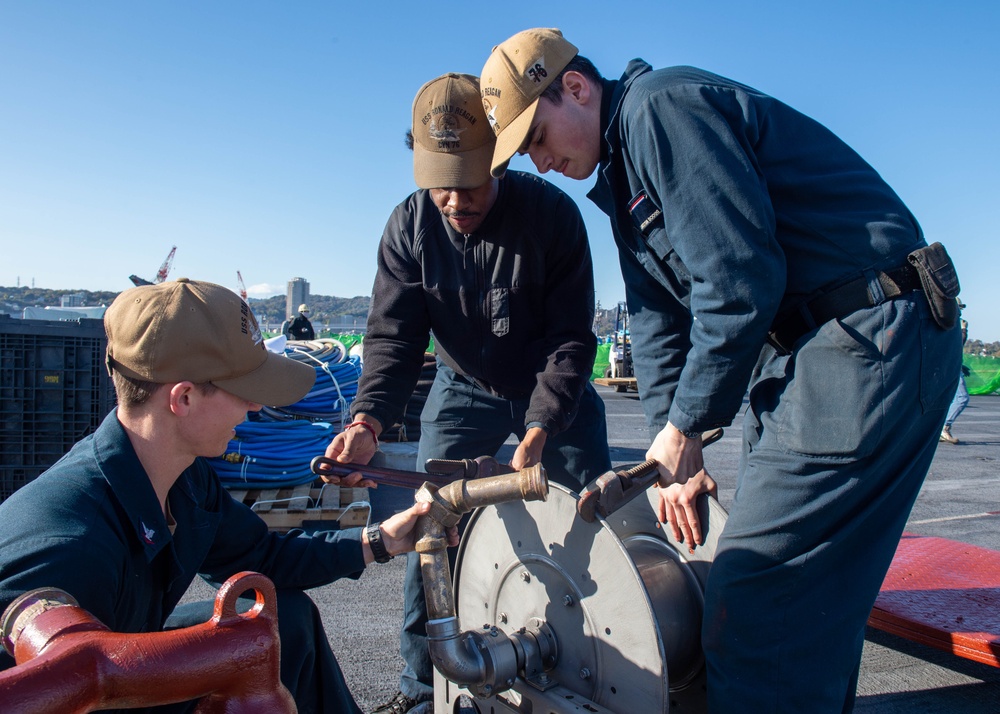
[690, 433]
[375, 542]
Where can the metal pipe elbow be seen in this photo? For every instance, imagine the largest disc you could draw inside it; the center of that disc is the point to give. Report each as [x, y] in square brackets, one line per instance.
[483, 662]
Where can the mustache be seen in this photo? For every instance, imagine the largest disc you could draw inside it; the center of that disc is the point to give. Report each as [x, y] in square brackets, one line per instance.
[459, 214]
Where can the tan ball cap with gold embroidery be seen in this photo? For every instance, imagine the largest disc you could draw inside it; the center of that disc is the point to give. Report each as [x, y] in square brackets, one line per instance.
[187, 330]
[515, 75]
[452, 142]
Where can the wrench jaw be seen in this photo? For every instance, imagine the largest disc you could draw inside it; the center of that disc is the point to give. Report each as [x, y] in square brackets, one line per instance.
[605, 489]
[613, 489]
[587, 505]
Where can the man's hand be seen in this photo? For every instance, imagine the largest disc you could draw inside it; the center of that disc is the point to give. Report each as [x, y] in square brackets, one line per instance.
[529, 451]
[682, 479]
[356, 445]
[398, 535]
[678, 507]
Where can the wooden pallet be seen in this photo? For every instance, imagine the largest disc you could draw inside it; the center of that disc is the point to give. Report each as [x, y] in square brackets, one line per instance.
[325, 504]
[620, 384]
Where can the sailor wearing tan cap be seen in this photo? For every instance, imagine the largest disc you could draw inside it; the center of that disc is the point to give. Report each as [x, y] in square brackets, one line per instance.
[133, 513]
[760, 254]
[499, 270]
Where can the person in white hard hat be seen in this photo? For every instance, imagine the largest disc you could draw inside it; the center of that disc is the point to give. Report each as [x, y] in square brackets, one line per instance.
[300, 328]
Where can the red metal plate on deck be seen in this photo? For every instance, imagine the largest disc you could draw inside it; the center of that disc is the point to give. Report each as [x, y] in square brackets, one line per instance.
[944, 594]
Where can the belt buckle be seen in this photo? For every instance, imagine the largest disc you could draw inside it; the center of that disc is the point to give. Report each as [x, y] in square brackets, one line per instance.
[775, 341]
[795, 324]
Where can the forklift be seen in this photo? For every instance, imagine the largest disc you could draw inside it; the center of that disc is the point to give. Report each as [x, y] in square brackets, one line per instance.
[619, 373]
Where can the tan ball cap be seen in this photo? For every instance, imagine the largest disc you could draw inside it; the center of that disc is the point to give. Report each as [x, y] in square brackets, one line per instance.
[452, 142]
[515, 75]
[186, 330]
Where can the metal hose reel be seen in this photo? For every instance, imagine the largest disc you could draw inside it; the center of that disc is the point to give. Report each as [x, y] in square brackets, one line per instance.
[618, 600]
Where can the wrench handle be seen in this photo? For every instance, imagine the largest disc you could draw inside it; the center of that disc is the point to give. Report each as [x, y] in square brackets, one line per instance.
[324, 466]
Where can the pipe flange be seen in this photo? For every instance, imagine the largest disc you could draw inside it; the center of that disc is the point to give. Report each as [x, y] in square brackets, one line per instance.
[534, 483]
[545, 637]
[25, 608]
[499, 659]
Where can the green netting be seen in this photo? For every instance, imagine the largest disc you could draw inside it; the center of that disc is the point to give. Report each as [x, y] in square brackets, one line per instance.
[984, 377]
[352, 339]
[347, 340]
[602, 362]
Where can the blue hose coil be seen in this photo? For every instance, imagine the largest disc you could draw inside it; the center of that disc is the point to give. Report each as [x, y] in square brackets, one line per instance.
[273, 454]
[274, 448]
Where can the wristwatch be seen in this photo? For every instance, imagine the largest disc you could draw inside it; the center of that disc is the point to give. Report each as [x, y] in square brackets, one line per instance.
[374, 533]
[690, 433]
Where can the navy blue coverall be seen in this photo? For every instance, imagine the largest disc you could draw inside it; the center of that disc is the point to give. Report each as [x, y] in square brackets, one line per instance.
[92, 526]
[729, 208]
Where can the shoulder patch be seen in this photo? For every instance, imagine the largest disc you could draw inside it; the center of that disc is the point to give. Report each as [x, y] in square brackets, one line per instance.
[644, 212]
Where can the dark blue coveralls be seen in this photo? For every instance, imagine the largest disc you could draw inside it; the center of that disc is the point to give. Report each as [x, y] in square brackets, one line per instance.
[511, 309]
[92, 526]
[729, 210]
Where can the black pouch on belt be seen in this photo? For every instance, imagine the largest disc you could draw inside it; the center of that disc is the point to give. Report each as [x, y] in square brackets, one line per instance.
[939, 281]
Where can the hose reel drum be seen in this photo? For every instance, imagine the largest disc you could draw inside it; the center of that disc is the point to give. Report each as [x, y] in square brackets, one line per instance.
[618, 601]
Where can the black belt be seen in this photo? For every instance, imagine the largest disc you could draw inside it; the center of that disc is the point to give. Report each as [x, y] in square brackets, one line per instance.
[838, 302]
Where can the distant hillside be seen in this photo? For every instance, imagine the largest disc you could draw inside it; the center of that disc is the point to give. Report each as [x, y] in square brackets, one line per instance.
[268, 310]
[321, 307]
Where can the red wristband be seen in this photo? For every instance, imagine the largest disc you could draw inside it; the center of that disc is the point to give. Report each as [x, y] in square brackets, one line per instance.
[366, 425]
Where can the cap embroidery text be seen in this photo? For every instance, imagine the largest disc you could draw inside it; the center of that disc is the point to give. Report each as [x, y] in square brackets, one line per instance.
[536, 72]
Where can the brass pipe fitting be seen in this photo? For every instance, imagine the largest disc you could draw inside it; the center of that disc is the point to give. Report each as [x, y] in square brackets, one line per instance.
[486, 662]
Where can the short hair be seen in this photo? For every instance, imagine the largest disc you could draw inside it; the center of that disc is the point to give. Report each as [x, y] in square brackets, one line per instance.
[578, 64]
[409, 139]
[136, 392]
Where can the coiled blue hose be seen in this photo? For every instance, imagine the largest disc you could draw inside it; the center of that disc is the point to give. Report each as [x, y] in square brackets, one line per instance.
[336, 384]
[274, 448]
[272, 454]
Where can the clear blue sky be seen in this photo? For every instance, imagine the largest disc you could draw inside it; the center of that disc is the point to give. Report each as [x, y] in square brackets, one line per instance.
[267, 137]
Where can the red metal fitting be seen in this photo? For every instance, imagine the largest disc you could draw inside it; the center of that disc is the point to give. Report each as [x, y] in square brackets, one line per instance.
[68, 662]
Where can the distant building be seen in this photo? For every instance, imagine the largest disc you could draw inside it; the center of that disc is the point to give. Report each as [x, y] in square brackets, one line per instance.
[297, 294]
[74, 300]
[348, 324]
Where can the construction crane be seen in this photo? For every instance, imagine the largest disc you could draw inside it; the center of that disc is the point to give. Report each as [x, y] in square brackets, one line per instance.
[243, 287]
[161, 274]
